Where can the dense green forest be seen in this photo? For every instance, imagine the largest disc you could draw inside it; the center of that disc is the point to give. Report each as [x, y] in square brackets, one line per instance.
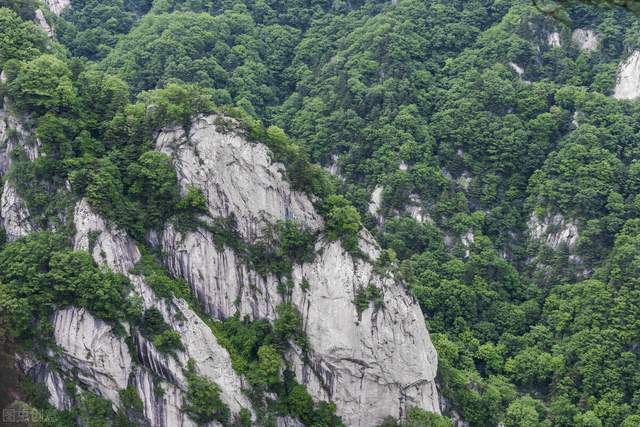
[421, 97]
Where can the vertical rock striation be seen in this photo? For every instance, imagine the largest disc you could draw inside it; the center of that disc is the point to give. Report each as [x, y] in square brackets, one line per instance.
[373, 364]
[628, 82]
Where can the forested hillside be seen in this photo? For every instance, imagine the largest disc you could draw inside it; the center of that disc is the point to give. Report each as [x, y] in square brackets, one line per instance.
[492, 147]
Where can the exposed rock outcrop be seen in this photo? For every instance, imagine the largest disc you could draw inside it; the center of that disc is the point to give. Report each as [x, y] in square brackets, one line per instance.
[517, 68]
[585, 39]
[57, 6]
[374, 363]
[386, 355]
[14, 214]
[553, 230]
[376, 201]
[383, 354]
[111, 246]
[16, 218]
[41, 372]
[100, 359]
[220, 280]
[162, 402]
[236, 176]
[628, 82]
[13, 134]
[553, 39]
[42, 23]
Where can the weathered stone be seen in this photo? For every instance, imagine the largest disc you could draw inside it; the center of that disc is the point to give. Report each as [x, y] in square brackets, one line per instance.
[57, 6]
[15, 215]
[236, 176]
[100, 359]
[383, 354]
[585, 39]
[628, 83]
[553, 230]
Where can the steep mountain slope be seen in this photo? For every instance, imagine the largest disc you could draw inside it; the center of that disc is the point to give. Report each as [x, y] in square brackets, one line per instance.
[355, 358]
[176, 254]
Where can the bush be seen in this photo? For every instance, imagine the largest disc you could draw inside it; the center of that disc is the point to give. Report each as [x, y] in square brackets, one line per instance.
[43, 84]
[364, 296]
[203, 402]
[343, 221]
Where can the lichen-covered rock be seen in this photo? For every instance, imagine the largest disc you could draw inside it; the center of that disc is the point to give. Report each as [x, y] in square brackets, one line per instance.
[100, 359]
[628, 83]
[236, 176]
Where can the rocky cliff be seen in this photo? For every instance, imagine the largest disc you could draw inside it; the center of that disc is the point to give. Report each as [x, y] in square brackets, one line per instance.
[373, 363]
[628, 81]
[384, 355]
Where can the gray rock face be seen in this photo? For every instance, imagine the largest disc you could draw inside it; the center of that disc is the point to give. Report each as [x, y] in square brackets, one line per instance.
[57, 6]
[553, 230]
[374, 365]
[162, 401]
[14, 213]
[12, 135]
[236, 176]
[42, 23]
[628, 83]
[101, 360]
[222, 283]
[375, 202]
[41, 372]
[115, 249]
[112, 247]
[553, 39]
[585, 39]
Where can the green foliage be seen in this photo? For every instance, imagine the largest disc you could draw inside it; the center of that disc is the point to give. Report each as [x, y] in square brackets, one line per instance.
[257, 351]
[416, 96]
[203, 402]
[193, 202]
[91, 28]
[42, 84]
[39, 273]
[157, 278]
[153, 326]
[95, 411]
[19, 39]
[154, 185]
[288, 325]
[365, 296]
[280, 247]
[130, 400]
[343, 221]
[417, 417]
